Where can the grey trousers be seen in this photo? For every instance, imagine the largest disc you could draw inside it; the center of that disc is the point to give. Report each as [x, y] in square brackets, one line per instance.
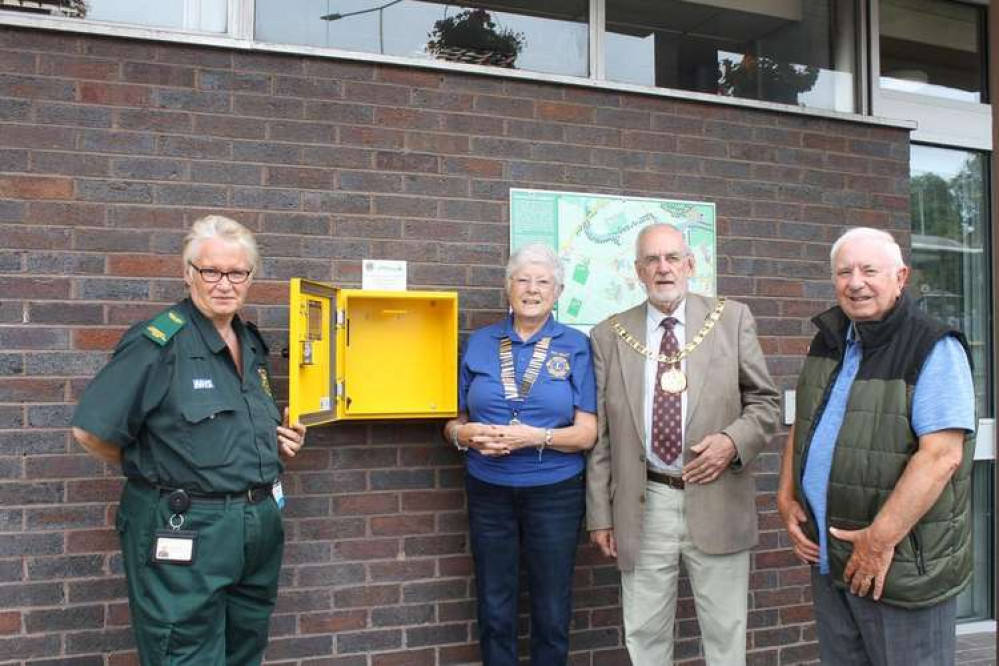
[855, 631]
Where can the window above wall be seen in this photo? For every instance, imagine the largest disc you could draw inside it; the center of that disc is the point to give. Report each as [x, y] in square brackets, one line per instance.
[787, 51]
[70, 8]
[188, 15]
[551, 37]
[930, 65]
[934, 48]
[799, 53]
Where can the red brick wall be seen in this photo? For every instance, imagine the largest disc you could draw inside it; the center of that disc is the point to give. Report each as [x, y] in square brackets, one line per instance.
[110, 148]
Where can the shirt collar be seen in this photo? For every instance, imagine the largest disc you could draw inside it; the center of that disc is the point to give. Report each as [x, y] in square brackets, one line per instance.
[207, 329]
[654, 316]
[833, 325]
[851, 333]
[505, 330]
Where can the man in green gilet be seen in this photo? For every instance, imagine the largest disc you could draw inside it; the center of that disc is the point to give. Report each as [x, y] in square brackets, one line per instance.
[875, 480]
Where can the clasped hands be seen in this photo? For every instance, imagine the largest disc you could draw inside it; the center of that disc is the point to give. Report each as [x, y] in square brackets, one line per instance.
[500, 440]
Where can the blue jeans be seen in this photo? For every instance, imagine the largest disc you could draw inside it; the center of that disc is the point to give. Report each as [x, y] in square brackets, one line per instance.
[545, 522]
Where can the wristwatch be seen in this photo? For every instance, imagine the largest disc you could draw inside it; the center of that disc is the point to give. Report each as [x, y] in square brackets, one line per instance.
[549, 435]
[455, 440]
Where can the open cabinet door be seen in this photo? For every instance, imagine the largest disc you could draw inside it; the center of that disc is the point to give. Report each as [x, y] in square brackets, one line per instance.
[312, 353]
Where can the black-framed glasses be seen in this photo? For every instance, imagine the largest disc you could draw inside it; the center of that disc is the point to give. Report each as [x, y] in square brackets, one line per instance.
[213, 275]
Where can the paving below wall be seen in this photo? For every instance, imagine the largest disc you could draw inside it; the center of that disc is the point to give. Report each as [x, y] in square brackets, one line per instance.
[976, 649]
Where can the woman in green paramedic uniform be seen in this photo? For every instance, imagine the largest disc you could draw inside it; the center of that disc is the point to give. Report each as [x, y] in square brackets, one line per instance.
[185, 405]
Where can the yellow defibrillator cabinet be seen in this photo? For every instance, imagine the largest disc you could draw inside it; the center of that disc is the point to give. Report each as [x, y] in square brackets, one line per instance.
[360, 354]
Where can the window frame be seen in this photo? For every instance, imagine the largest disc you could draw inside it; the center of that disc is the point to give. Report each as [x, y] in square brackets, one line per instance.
[940, 121]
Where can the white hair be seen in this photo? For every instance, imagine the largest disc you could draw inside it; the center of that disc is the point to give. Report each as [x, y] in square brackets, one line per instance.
[646, 230]
[218, 226]
[536, 253]
[870, 234]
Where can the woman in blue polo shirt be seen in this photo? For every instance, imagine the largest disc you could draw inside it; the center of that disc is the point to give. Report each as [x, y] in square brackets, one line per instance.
[528, 404]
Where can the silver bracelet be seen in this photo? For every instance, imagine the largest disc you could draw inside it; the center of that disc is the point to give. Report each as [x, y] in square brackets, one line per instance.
[455, 440]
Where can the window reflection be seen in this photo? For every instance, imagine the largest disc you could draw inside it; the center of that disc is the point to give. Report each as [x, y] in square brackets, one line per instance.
[975, 603]
[949, 276]
[541, 37]
[933, 47]
[950, 280]
[787, 51]
[69, 8]
[187, 15]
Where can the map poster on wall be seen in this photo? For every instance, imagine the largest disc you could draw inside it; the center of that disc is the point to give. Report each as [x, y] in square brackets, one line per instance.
[594, 235]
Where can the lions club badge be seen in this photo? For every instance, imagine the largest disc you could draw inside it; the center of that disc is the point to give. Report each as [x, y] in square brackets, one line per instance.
[558, 365]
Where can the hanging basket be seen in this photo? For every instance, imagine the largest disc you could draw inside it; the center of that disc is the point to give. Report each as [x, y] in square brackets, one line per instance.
[475, 56]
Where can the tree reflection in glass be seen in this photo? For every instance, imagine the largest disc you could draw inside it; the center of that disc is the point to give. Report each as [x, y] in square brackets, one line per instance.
[950, 274]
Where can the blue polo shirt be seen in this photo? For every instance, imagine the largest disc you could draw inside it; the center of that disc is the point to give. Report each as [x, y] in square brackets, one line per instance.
[944, 399]
[565, 383]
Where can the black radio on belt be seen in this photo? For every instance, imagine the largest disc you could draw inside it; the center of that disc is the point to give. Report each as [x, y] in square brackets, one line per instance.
[179, 501]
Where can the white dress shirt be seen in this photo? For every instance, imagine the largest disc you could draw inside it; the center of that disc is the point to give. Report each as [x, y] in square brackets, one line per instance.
[653, 339]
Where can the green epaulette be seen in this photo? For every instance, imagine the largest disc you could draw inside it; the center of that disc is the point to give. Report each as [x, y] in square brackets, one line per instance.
[164, 327]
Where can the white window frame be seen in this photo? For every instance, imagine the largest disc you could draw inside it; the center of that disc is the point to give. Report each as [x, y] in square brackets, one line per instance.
[938, 121]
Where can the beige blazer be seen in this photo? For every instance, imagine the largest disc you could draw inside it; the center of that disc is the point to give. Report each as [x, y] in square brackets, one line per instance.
[729, 391]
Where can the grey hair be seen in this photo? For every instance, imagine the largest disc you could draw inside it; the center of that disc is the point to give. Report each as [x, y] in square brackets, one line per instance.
[536, 253]
[871, 234]
[218, 226]
[646, 230]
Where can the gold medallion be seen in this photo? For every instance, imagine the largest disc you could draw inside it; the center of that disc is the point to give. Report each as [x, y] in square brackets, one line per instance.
[673, 381]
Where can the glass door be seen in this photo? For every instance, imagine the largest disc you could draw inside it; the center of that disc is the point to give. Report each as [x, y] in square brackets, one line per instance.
[950, 280]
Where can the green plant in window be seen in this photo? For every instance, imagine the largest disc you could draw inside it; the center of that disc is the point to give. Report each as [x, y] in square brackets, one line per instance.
[760, 77]
[473, 36]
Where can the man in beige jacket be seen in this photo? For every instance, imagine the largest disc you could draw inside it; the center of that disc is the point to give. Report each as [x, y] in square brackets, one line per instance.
[685, 403]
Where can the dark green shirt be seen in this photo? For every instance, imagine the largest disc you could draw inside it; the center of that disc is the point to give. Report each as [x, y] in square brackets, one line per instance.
[179, 410]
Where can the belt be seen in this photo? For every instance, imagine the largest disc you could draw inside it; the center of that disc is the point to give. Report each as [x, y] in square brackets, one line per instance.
[253, 494]
[666, 479]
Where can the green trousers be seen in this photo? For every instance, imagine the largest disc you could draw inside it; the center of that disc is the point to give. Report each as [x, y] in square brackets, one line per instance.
[217, 609]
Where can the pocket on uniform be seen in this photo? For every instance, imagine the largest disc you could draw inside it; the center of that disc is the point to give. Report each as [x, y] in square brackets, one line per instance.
[212, 430]
[153, 640]
[169, 643]
[274, 412]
